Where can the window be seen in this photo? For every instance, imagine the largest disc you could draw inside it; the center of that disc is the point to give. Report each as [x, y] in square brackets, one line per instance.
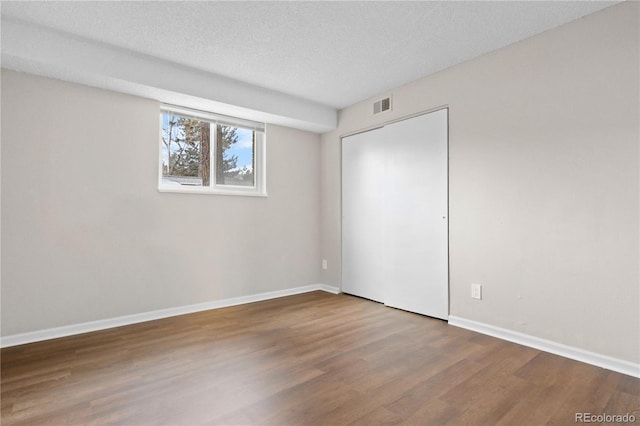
[206, 153]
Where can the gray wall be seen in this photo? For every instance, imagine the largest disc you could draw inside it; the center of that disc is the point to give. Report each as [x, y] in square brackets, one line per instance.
[544, 184]
[87, 236]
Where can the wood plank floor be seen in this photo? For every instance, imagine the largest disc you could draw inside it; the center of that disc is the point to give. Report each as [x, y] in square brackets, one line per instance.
[310, 359]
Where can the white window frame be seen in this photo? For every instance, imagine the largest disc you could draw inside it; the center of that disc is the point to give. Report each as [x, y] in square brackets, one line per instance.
[259, 189]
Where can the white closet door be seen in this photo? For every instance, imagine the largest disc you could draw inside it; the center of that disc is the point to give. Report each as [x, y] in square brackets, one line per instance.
[394, 215]
[417, 271]
[363, 246]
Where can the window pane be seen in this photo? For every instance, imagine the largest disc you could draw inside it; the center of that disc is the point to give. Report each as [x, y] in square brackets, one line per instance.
[185, 151]
[235, 156]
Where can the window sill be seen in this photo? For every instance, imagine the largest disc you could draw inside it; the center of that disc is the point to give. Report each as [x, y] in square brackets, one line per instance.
[237, 191]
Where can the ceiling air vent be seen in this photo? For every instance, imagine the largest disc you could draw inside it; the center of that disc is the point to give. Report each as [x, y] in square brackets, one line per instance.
[382, 105]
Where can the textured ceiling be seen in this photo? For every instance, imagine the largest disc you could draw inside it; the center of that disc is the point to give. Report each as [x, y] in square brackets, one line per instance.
[332, 53]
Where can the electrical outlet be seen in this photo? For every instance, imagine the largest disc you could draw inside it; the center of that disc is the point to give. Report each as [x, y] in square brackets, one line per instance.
[476, 291]
[324, 263]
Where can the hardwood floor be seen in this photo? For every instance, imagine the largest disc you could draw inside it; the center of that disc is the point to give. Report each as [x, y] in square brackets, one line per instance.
[310, 359]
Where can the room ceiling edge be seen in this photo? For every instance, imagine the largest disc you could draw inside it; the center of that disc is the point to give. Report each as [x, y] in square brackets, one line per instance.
[43, 51]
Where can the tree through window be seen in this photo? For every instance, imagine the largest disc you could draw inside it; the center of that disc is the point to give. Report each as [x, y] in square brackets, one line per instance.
[202, 152]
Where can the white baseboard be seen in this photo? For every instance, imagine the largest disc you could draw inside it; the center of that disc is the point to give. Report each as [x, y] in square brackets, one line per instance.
[604, 361]
[85, 327]
[327, 288]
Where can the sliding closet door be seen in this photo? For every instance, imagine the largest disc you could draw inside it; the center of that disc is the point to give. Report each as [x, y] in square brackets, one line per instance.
[394, 215]
[363, 216]
[417, 272]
